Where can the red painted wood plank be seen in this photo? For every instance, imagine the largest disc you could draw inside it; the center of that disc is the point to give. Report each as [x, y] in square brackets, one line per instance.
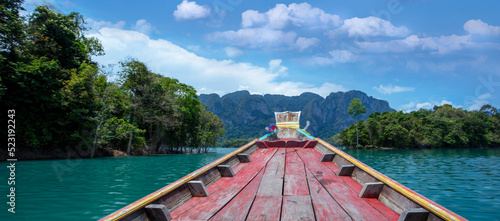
[351, 183]
[294, 164]
[297, 208]
[265, 208]
[276, 166]
[238, 167]
[241, 203]
[386, 211]
[317, 154]
[296, 185]
[325, 207]
[356, 207]
[223, 190]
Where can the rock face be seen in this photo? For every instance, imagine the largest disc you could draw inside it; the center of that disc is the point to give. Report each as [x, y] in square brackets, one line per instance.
[246, 115]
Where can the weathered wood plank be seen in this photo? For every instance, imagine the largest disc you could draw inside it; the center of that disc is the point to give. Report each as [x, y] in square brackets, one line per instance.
[396, 201]
[386, 211]
[198, 189]
[339, 161]
[351, 183]
[362, 177]
[418, 214]
[276, 143]
[271, 185]
[345, 170]
[276, 166]
[296, 143]
[265, 208]
[296, 185]
[297, 208]
[241, 202]
[223, 190]
[175, 198]
[356, 207]
[311, 144]
[225, 170]
[371, 190]
[244, 158]
[325, 207]
[294, 164]
[158, 212]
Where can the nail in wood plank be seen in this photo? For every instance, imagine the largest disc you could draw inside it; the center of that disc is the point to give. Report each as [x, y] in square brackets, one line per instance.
[371, 190]
[345, 170]
[244, 158]
[158, 212]
[225, 171]
[197, 188]
[416, 214]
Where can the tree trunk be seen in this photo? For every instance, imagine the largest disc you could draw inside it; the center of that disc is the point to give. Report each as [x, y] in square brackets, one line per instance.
[130, 138]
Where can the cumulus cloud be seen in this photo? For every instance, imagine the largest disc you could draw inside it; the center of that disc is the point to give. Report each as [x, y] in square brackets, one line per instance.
[372, 26]
[144, 27]
[267, 29]
[207, 75]
[293, 15]
[481, 28]
[389, 89]
[479, 101]
[233, 52]
[190, 10]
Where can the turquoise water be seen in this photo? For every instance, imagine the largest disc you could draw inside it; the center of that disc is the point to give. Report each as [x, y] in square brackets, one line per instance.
[466, 181]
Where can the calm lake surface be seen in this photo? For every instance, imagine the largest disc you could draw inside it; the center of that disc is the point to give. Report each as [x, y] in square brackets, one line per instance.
[466, 181]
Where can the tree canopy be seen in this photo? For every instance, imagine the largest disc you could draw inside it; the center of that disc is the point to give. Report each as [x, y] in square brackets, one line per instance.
[444, 126]
[62, 97]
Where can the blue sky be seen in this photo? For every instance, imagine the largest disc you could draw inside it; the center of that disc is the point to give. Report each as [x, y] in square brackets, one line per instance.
[413, 53]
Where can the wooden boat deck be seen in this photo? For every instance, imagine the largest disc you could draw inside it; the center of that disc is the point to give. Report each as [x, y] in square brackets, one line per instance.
[284, 184]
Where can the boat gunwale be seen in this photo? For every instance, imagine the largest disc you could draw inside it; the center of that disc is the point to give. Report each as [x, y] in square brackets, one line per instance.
[141, 203]
[405, 191]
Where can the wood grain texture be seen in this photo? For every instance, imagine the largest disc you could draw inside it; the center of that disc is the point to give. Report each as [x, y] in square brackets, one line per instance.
[241, 203]
[356, 207]
[294, 164]
[297, 208]
[276, 166]
[295, 185]
[158, 212]
[266, 208]
[325, 207]
[271, 185]
[222, 191]
[386, 211]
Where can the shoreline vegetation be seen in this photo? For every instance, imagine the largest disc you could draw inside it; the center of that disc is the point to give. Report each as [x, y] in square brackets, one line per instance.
[442, 127]
[67, 106]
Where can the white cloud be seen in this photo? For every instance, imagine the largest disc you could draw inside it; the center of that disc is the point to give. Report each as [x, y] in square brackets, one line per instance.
[335, 57]
[370, 27]
[415, 105]
[190, 10]
[144, 27]
[389, 89]
[207, 75]
[304, 43]
[296, 15]
[256, 38]
[481, 28]
[441, 45]
[97, 25]
[233, 52]
[479, 101]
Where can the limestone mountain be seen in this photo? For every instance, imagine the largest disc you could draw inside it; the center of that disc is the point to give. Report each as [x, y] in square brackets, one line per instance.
[246, 115]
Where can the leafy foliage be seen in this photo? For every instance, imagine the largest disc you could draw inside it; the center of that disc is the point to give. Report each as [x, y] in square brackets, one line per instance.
[62, 98]
[444, 126]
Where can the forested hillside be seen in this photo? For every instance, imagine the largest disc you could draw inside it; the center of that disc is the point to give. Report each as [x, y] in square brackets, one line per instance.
[246, 115]
[61, 100]
[444, 126]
